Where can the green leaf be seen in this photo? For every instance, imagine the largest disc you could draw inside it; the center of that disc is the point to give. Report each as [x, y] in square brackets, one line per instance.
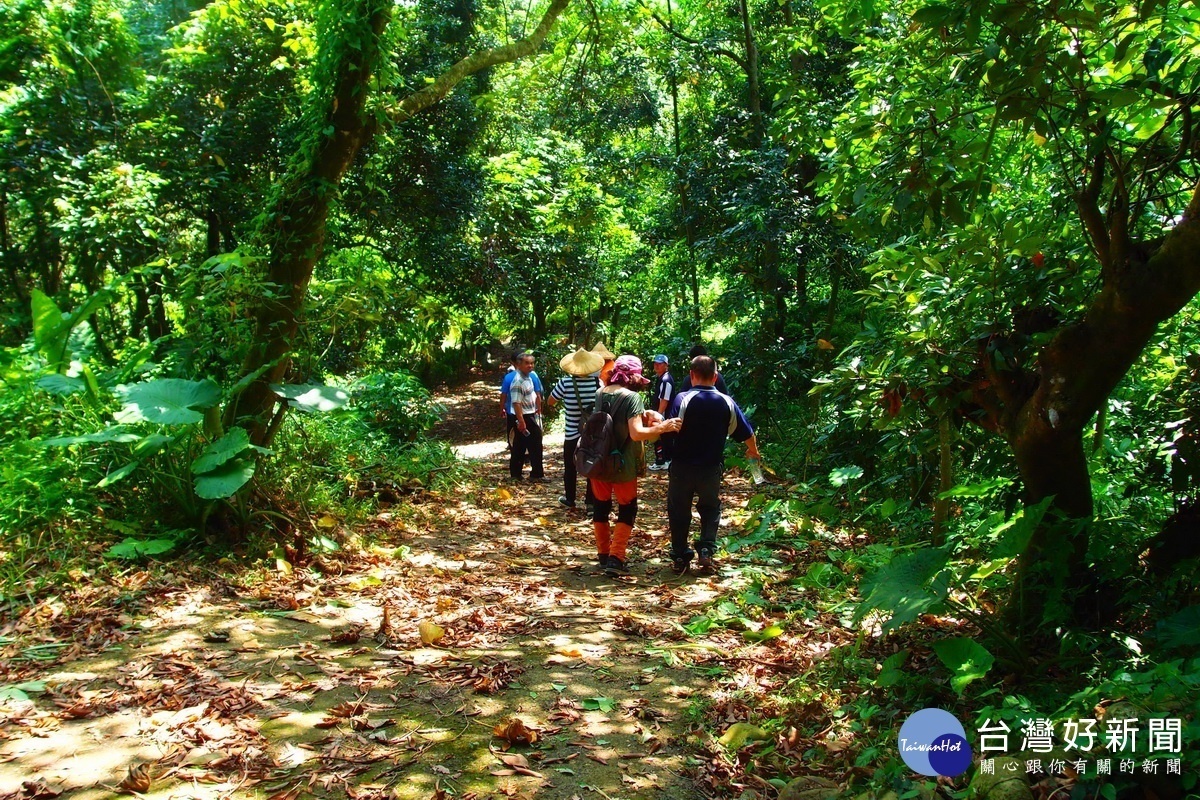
[151, 444]
[966, 658]
[232, 444]
[117, 475]
[1181, 629]
[983, 489]
[134, 549]
[49, 327]
[61, 384]
[167, 401]
[843, 475]
[312, 397]
[114, 434]
[905, 587]
[769, 632]
[225, 480]
[890, 671]
[605, 704]
[21, 691]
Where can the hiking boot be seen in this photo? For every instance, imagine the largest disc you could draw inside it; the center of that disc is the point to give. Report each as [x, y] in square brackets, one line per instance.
[539, 479]
[615, 567]
[602, 560]
[705, 561]
[679, 566]
[562, 501]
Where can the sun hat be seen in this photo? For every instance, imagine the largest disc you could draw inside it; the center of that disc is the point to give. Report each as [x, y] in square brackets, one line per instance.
[581, 363]
[628, 372]
[661, 359]
[604, 352]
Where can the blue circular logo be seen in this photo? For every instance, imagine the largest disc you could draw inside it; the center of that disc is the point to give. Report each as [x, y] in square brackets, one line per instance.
[932, 742]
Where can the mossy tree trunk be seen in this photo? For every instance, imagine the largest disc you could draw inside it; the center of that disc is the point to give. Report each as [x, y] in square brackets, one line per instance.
[295, 228]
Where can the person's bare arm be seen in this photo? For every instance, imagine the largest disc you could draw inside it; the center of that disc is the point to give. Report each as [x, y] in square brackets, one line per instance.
[640, 432]
[752, 447]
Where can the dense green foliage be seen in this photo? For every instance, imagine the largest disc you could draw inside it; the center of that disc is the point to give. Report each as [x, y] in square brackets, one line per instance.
[943, 252]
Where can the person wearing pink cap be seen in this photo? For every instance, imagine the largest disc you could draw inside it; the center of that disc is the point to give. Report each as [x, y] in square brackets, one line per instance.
[632, 425]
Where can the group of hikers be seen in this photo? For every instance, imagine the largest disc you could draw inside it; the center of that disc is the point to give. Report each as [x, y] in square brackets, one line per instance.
[688, 425]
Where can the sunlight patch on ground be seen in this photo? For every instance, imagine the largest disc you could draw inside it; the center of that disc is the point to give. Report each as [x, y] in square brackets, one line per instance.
[479, 450]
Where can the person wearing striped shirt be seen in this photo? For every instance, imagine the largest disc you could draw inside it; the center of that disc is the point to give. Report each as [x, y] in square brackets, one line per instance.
[577, 392]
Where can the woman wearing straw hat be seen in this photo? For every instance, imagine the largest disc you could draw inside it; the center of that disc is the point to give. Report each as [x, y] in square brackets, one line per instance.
[577, 392]
[610, 359]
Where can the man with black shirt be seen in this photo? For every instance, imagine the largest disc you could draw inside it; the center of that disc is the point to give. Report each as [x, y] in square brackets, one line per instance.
[719, 385]
[708, 418]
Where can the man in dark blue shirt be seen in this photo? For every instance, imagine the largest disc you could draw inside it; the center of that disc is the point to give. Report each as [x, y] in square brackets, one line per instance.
[708, 418]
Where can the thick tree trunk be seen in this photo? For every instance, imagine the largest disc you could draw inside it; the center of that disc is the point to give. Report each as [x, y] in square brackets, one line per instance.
[1045, 411]
[296, 226]
[754, 93]
[212, 238]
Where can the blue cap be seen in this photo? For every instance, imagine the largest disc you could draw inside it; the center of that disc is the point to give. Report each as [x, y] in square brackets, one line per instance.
[660, 359]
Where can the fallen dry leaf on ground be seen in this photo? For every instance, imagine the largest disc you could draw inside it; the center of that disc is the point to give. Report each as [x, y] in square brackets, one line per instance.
[431, 632]
[138, 779]
[515, 731]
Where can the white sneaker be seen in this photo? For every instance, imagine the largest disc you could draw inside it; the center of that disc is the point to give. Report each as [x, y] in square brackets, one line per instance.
[666, 465]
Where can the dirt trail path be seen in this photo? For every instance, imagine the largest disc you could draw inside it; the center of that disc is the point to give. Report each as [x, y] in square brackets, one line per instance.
[317, 680]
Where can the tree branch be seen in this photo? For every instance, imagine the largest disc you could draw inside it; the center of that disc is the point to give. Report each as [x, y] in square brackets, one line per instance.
[721, 51]
[420, 100]
[1089, 211]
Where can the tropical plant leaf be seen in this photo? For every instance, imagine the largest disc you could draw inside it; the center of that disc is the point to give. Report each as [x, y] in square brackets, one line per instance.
[967, 659]
[843, 475]
[1013, 535]
[1181, 629]
[232, 444]
[151, 444]
[312, 397]
[225, 480]
[61, 385]
[905, 587]
[167, 401]
[49, 325]
[116, 475]
[114, 434]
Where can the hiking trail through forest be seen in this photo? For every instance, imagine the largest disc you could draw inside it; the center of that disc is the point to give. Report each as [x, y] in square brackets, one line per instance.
[549, 679]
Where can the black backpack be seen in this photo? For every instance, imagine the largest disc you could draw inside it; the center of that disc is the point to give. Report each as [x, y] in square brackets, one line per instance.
[597, 455]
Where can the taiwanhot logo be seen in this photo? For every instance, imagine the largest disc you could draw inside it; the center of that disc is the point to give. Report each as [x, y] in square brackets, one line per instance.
[932, 742]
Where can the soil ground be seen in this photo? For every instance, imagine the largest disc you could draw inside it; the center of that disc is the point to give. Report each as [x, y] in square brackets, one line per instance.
[473, 650]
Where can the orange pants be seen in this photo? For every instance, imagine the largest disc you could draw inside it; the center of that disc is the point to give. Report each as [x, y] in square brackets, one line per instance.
[613, 540]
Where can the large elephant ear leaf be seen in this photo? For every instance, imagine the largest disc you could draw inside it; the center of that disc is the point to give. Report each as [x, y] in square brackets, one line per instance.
[312, 396]
[225, 479]
[167, 401]
[232, 444]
